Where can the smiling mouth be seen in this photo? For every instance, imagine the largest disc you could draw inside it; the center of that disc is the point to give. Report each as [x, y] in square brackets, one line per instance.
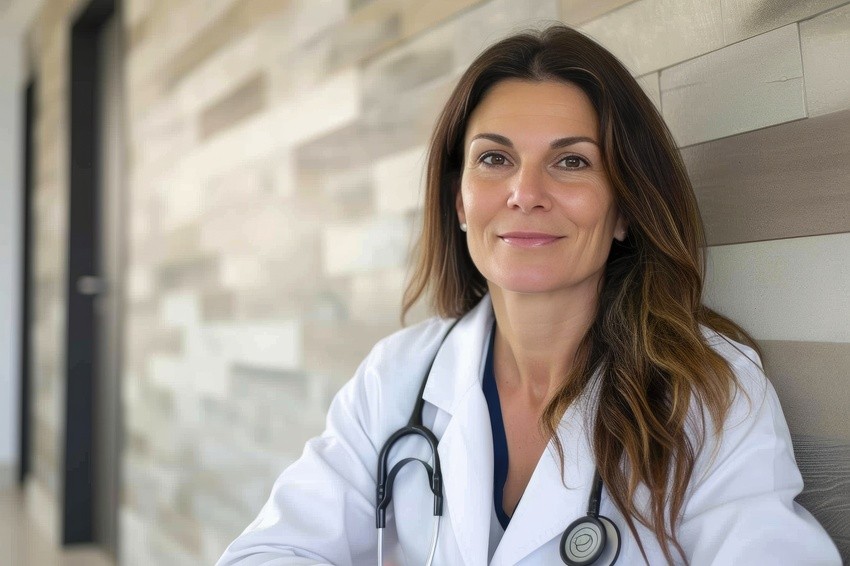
[528, 239]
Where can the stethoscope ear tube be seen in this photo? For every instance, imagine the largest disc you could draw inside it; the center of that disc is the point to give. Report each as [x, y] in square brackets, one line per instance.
[414, 426]
[384, 488]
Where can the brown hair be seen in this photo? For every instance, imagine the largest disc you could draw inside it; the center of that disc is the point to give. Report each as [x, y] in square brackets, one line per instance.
[653, 361]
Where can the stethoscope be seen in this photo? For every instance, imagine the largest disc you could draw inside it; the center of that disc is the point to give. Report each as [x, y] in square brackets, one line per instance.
[590, 540]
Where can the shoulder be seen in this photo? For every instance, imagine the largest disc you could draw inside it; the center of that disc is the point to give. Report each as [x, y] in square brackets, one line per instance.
[409, 344]
[388, 381]
[754, 415]
[385, 386]
[398, 363]
[746, 474]
[417, 345]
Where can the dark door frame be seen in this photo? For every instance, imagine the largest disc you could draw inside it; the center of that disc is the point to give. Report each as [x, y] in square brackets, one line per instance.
[78, 506]
[26, 282]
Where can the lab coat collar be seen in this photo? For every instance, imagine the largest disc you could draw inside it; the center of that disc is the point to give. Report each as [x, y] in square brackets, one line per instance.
[466, 448]
[466, 445]
[459, 362]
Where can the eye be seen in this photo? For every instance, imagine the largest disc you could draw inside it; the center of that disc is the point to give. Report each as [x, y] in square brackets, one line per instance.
[493, 159]
[573, 162]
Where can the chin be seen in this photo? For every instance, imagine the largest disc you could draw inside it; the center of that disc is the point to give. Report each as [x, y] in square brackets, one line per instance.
[529, 283]
[540, 279]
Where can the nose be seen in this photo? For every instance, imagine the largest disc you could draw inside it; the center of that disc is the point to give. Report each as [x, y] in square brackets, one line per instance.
[528, 191]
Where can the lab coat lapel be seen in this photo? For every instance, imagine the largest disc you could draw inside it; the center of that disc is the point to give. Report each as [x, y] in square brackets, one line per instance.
[466, 450]
[466, 445]
[547, 507]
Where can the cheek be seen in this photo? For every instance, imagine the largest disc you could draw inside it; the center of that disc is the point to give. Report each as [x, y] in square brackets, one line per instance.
[463, 197]
[478, 203]
[589, 209]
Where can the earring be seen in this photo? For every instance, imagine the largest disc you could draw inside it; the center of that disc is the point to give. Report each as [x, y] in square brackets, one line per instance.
[463, 226]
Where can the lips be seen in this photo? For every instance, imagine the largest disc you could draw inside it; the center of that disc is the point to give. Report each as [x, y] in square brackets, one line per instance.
[529, 239]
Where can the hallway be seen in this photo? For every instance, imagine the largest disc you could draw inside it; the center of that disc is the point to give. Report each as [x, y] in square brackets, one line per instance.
[21, 544]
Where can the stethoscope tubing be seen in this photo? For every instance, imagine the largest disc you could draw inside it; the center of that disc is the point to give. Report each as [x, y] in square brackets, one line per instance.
[386, 477]
[384, 488]
[435, 533]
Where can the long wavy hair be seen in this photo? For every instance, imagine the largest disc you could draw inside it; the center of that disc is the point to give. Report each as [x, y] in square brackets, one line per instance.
[654, 364]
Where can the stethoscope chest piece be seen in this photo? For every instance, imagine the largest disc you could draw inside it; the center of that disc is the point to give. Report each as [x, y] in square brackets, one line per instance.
[590, 540]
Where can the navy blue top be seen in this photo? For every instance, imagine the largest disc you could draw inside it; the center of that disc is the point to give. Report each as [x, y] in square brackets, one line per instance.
[500, 441]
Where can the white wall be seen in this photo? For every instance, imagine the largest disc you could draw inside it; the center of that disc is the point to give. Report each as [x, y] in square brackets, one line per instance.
[13, 22]
[10, 252]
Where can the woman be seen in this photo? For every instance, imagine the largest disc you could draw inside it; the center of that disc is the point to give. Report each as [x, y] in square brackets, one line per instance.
[562, 233]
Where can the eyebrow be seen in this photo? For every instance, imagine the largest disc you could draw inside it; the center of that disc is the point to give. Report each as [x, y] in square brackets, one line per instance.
[558, 143]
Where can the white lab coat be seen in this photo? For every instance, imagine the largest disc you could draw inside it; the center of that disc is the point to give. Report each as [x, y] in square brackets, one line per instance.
[739, 510]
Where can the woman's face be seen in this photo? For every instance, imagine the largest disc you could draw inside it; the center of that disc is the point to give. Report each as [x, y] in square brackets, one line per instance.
[538, 204]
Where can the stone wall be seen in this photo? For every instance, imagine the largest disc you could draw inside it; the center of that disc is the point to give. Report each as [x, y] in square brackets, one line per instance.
[276, 154]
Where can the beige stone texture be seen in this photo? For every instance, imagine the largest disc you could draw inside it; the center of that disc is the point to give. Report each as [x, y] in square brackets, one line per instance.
[172, 31]
[825, 42]
[135, 12]
[648, 35]
[376, 296]
[366, 246]
[652, 86]
[238, 18]
[329, 105]
[477, 28]
[576, 12]
[243, 272]
[159, 137]
[746, 18]
[801, 371]
[41, 506]
[218, 305]
[749, 280]
[418, 16]
[746, 86]
[399, 180]
[348, 341]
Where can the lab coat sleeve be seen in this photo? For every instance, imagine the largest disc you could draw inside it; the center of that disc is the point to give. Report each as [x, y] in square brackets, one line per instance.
[742, 508]
[321, 508]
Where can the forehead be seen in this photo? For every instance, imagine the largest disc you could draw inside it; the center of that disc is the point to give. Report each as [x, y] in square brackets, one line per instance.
[515, 104]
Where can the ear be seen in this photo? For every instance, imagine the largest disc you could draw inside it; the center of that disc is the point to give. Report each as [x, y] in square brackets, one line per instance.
[461, 213]
[621, 229]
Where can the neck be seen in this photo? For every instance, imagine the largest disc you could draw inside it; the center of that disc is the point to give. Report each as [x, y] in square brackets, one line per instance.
[537, 337]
